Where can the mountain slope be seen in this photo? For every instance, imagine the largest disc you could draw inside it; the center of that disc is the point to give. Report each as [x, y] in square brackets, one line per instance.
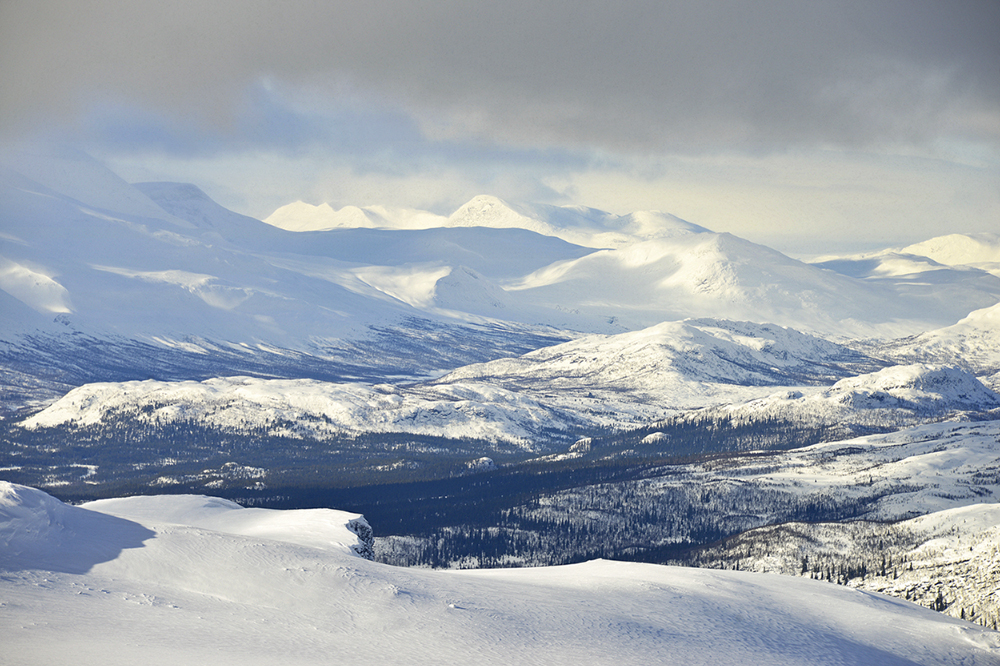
[979, 250]
[889, 399]
[972, 343]
[719, 275]
[620, 380]
[249, 599]
[674, 365]
[949, 560]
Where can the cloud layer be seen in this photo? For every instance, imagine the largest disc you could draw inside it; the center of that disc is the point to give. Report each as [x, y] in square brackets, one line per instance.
[637, 76]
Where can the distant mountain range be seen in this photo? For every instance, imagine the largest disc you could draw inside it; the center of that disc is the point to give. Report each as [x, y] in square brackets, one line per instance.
[161, 261]
[655, 315]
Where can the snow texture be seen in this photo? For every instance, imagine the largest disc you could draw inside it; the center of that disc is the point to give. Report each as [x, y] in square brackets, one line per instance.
[165, 591]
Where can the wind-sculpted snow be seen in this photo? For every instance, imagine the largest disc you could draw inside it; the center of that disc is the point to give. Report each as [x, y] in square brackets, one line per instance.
[325, 529]
[38, 531]
[192, 594]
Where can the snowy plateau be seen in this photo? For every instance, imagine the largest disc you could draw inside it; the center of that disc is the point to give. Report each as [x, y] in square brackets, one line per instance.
[518, 433]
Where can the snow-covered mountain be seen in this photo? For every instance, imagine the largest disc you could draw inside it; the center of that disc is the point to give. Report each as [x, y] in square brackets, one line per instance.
[655, 267]
[162, 264]
[588, 227]
[705, 275]
[972, 343]
[889, 399]
[618, 380]
[978, 250]
[178, 590]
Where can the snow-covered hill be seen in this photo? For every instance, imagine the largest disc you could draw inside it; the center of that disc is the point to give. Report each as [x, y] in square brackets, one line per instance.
[174, 592]
[624, 380]
[978, 250]
[891, 398]
[972, 343]
[313, 409]
[627, 378]
[619, 380]
[948, 560]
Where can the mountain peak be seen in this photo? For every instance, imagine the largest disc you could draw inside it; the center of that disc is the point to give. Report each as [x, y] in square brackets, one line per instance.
[486, 210]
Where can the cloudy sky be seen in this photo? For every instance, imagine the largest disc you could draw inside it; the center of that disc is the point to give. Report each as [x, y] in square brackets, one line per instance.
[810, 126]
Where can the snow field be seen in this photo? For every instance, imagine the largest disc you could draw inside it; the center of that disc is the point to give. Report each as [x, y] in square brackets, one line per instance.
[192, 595]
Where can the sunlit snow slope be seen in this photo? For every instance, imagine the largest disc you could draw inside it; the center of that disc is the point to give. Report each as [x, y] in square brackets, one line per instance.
[161, 591]
[163, 261]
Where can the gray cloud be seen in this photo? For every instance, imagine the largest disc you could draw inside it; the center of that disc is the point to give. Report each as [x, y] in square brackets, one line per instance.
[635, 77]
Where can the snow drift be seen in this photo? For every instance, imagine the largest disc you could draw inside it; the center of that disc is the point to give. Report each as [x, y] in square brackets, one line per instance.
[190, 594]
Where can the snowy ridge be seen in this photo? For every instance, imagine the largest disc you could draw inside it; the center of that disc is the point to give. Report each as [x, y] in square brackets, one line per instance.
[581, 226]
[325, 529]
[680, 365]
[269, 601]
[308, 408]
[629, 378]
[972, 343]
[893, 397]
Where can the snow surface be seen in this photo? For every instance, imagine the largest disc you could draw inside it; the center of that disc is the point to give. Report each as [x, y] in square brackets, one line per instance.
[165, 592]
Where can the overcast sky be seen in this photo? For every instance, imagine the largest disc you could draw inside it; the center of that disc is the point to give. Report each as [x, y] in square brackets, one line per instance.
[809, 126]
